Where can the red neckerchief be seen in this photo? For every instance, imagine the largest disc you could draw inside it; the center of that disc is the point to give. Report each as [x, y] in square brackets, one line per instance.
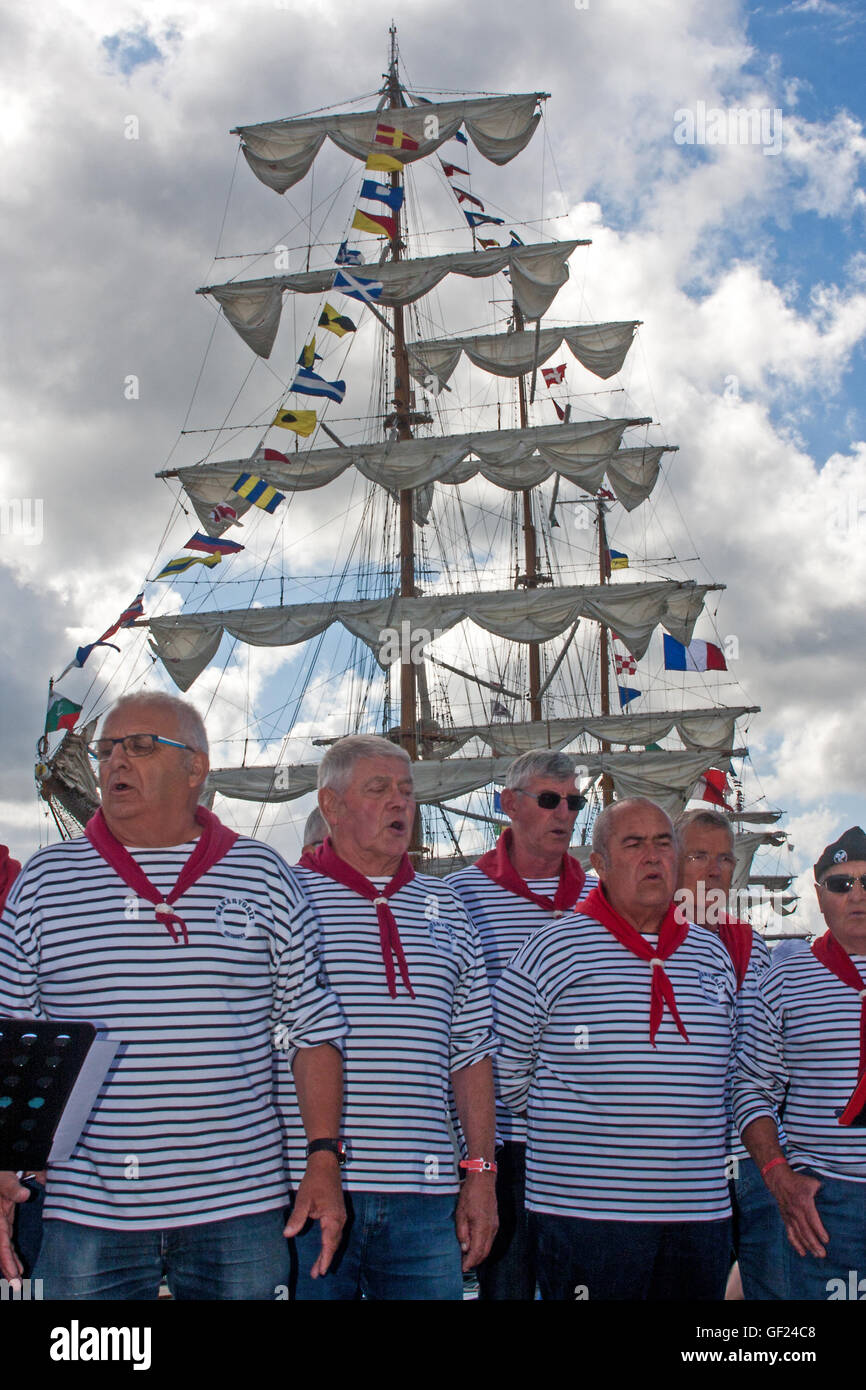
[214, 842]
[671, 935]
[325, 860]
[837, 960]
[497, 865]
[9, 871]
[737, 937]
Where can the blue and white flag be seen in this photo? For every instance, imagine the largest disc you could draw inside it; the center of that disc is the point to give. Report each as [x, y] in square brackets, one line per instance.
[346, 257]
[309, 383]
[358, 286]
[383, 193]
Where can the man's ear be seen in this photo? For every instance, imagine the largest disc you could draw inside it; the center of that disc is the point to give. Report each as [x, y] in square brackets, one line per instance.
[597, 863]
[199, 767]
[507, 800]
[328, 801]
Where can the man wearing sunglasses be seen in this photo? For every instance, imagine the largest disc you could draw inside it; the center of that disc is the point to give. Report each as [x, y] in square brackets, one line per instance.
[806, 1046]
[193, 946]
[526, 882]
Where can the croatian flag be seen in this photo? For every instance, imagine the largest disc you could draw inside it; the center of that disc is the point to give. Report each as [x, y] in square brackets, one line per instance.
[697, 656]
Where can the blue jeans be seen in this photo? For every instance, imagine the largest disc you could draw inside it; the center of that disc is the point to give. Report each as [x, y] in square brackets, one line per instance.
[842, 1208]
[27, 1231]
[246, 1257]
[395, 1246]
[645, 1260]
[508, 1273]
[759, 1235]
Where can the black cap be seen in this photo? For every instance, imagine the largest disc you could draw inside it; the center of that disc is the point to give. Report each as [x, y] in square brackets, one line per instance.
[850, 846]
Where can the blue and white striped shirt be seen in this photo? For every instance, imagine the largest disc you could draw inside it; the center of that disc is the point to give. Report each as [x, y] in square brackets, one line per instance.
[618, 1129]
[400, 1052]
[185, 1128]
[800, 1056]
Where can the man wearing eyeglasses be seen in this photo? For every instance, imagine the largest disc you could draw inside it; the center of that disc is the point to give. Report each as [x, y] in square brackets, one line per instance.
[193, 946]
[806, 1046]
[706, 870]
[527, 881]
[616, 1027]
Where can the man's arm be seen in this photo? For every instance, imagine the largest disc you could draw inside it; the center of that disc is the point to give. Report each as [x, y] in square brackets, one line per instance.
[477, 1219]
[318, 1073]
[794, 1192]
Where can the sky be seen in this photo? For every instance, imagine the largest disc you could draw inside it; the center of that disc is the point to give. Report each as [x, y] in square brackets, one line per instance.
[743, 259]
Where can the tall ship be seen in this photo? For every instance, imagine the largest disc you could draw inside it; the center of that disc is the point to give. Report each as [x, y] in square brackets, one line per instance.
[428, 510]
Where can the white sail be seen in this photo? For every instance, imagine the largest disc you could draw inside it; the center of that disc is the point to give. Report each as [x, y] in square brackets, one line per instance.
[600, 347]
[667, 777]
[584, 452]
[710, 731]
[538, 272]
[281, 152]
[187, 642]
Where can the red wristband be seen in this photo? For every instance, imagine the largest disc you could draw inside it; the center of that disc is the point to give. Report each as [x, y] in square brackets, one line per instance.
[477, 1165]
[772, 1163]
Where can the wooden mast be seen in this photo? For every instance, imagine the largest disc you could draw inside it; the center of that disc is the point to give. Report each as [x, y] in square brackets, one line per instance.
[402, 419]
[530, 574]
[604, 644]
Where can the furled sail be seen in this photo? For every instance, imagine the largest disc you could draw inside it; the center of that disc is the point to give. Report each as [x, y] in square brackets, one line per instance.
[600, 347]
[281, 152]
[582, 451]
[537, 271]
[746, 846]
[187, 642]
[666, 777]
[709, 731]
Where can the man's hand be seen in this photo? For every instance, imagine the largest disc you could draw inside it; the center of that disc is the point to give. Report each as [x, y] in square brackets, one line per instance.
[477, 1218]
[11, 1193]
[795, 1195]
[320, 1198]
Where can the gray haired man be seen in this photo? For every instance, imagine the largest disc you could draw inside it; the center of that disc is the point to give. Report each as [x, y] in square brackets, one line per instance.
[526, 882]
[407, 965]
[193, 945]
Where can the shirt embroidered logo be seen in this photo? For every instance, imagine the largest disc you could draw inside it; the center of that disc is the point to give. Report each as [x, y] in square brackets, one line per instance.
[712, 987]
[236, 918]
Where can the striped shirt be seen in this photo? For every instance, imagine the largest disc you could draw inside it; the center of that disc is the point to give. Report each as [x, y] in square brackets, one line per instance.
[759, 964]
[618, 1129]
[504, 922]
[400, 1052]
[800, 1055]
[185, 1128]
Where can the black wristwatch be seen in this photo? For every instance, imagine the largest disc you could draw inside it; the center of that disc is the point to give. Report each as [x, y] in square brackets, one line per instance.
[331, 1146]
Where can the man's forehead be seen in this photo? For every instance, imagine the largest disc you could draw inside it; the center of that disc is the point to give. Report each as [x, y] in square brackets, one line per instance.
[706, 834]
[642, 821]
[851, 867]
[140, 718]
[541, 783]
[380, 768]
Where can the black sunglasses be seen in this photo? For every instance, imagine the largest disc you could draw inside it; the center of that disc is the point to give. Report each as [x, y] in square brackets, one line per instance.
[548, 801]
[843, 883]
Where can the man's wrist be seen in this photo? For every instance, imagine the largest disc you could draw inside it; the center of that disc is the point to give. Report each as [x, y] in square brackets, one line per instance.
[330, 1148]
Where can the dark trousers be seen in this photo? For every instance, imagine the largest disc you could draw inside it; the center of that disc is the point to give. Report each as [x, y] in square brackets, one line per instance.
[635, 1260]
[508, 1273]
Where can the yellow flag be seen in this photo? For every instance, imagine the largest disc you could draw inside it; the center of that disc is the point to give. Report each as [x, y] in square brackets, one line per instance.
[301, 421]
[308, 354]
[385, 163]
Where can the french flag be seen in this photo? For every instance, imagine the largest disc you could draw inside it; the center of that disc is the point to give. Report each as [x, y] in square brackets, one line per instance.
[697, 656]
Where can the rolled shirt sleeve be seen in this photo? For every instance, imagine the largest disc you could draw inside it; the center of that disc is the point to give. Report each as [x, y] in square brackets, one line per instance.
[472, 1032]
[760, 1078]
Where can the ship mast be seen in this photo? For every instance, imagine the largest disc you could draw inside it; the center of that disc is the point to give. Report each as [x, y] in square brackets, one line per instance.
[604, 644]
[402, 420]
[530, 577]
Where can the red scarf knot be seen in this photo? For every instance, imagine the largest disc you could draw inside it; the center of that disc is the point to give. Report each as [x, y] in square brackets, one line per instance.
[836, 959]
[497, 865]
[326, 861]
[671, 936]
[212, 845]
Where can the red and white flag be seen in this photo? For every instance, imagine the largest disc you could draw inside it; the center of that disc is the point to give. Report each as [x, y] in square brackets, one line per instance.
[553, 375]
